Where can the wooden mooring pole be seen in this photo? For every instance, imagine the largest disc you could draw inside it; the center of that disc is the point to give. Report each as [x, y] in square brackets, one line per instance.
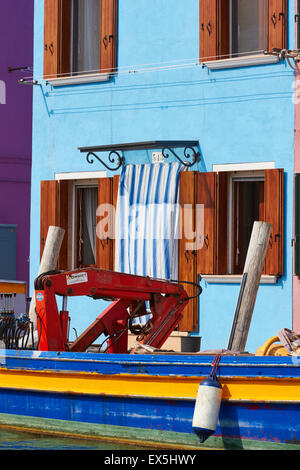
[250, 282]
[49, 259]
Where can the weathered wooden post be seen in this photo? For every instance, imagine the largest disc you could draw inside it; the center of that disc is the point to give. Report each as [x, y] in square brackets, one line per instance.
[251, 278]
[49, 259]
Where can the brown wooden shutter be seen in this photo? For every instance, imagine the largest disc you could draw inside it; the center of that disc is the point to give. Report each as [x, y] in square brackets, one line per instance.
[108, 35]
[277, 24]
[115, 190]
[206, 197]
[187, 265]
[54, 204]
[223, 28]
[208, 12]
[104, 230]
[51, 38]
[222, 223]
[274, 207]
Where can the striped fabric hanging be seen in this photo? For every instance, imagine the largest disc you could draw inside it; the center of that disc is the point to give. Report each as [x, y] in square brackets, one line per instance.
[147, 220]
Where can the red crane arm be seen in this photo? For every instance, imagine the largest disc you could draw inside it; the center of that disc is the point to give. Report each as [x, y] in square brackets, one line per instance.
[128, 293]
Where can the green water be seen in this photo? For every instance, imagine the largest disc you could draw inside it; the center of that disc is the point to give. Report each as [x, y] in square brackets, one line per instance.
[11, 440]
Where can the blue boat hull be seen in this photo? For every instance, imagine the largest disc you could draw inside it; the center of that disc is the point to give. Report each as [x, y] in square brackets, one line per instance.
[151, 399]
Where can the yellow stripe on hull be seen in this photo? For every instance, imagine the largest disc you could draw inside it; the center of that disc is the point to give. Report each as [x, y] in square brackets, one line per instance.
[239, 388]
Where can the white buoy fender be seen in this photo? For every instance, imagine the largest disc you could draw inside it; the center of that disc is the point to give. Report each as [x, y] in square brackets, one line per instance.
[207, 408]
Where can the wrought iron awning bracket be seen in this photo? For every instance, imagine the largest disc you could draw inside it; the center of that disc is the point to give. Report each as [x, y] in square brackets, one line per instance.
[188, 163]
[116, 158]
[120, 159]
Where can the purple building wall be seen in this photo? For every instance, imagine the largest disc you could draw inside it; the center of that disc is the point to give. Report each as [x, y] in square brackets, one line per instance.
[16, 50]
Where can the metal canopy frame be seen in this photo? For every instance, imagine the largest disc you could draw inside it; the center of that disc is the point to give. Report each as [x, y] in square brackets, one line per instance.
[191, 154]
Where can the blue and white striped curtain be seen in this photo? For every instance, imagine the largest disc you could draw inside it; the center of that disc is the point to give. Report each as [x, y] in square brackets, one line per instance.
[147, 220]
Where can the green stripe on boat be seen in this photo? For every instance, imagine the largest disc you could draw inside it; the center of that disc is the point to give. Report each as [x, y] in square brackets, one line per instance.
[145, 437]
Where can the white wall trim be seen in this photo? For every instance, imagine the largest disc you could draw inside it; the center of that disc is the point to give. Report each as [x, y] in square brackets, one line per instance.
[244, 166]
[80, 175]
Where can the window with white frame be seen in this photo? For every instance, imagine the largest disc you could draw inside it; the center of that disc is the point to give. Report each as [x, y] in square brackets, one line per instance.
[83, 204]
[80, 37]
[232, 201]
[230, 28]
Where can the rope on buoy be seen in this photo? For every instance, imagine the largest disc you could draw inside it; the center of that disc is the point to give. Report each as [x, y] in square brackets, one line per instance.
[215, 365]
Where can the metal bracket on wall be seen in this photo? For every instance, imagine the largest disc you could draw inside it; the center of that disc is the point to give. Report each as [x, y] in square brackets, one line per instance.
[25, 81]
[15, 69]
[187, 155]
[111, 158]
[191, 154]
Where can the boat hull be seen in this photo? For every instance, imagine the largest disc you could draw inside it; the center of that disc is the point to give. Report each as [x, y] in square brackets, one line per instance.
[150, 399]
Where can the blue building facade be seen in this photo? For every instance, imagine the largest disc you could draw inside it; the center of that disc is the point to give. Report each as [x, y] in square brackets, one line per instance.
[238, 108]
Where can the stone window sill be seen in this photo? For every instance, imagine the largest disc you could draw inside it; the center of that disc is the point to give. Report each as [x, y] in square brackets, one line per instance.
[246, 61]
[235, 279]
[79, 79]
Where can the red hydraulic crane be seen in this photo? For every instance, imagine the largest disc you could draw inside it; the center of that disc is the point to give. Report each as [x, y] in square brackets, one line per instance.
[128, 294]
